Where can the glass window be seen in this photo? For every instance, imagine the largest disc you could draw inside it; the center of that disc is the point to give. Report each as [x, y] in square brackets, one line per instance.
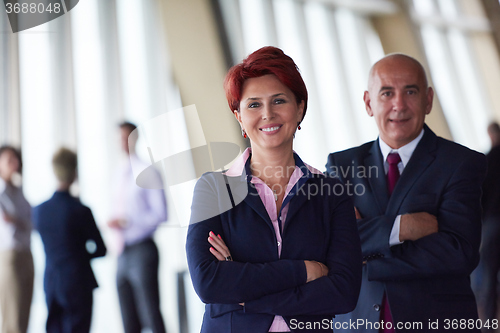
[79, 75]
[447, 33]
[333, 46]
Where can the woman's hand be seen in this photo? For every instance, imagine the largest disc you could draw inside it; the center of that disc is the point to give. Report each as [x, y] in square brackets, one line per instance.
[315, 270]
[219, 248]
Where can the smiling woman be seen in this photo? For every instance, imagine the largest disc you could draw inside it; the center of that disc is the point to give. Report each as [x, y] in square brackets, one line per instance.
[254, 263]
[269, 112]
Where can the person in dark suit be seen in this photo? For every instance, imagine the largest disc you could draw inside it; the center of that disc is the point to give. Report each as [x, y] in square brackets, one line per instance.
[71, 239]
[490, 247]
[271, 246]
[417, 199]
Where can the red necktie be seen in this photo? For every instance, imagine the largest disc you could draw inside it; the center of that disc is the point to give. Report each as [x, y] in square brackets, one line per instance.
[393, 174]
[392, 177]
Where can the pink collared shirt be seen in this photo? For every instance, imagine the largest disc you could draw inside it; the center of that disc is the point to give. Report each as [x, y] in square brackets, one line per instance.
[268, 199]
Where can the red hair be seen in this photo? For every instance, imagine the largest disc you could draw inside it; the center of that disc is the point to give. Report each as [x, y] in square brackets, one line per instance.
[264, 61]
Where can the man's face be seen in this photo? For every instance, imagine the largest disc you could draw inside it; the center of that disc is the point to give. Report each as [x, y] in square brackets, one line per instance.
[398, 99]
[124, 134]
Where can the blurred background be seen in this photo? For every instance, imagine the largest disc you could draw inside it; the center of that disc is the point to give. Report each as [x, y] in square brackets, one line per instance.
[69, 82]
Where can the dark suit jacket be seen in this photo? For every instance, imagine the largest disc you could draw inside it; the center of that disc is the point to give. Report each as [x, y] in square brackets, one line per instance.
[66, 226]
[427, 279]
[491, 185]
[319, 226]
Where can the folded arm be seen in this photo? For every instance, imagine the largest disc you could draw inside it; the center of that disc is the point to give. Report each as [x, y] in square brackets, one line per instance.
[335, 293]
[454, 249]
[230, 282]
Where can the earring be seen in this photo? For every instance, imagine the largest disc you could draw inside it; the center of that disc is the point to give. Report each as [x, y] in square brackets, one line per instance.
[299, 128]
[243, 133]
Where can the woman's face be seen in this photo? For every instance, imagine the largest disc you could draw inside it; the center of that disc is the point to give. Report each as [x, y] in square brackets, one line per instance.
[269, 113]
[9, 164]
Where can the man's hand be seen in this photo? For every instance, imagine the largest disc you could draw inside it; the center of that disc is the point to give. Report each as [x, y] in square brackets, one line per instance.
[358, 215]
[7, 218]
[315, 270]
[116, 223]
[417, 225]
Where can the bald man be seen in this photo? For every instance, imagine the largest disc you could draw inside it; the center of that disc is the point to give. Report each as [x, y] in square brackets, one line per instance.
[418, 210]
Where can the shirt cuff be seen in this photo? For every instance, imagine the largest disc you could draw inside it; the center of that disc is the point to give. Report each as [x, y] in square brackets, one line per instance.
[394, 238]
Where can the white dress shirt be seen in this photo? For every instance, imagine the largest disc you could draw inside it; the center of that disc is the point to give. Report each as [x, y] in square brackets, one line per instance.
[142, 209]
[14, 235]
[405, 153]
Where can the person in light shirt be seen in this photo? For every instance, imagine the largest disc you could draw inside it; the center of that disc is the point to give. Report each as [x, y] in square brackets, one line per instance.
[16, 261]
[285, 256]
[137, 214]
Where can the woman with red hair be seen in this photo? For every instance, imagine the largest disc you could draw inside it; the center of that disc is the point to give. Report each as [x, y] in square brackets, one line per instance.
[273, 244]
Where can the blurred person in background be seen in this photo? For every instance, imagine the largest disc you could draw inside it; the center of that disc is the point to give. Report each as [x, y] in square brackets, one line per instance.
[137, 214]
[287, 255]
[490, 247]
[71, 239]
[16, 261]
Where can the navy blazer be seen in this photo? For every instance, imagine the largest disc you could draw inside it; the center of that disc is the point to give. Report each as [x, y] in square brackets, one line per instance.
[320, 225]
[66, 226]
[491, 186]
[426, 279]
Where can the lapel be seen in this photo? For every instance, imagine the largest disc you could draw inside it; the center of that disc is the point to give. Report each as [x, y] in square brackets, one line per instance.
[297, 193]
[252, 198]
[254, 201]
[243, 190]
[299, 199]
[377, 184]
[422, 157]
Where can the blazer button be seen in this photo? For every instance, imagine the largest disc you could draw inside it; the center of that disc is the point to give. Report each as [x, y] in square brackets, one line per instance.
[376, 307]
